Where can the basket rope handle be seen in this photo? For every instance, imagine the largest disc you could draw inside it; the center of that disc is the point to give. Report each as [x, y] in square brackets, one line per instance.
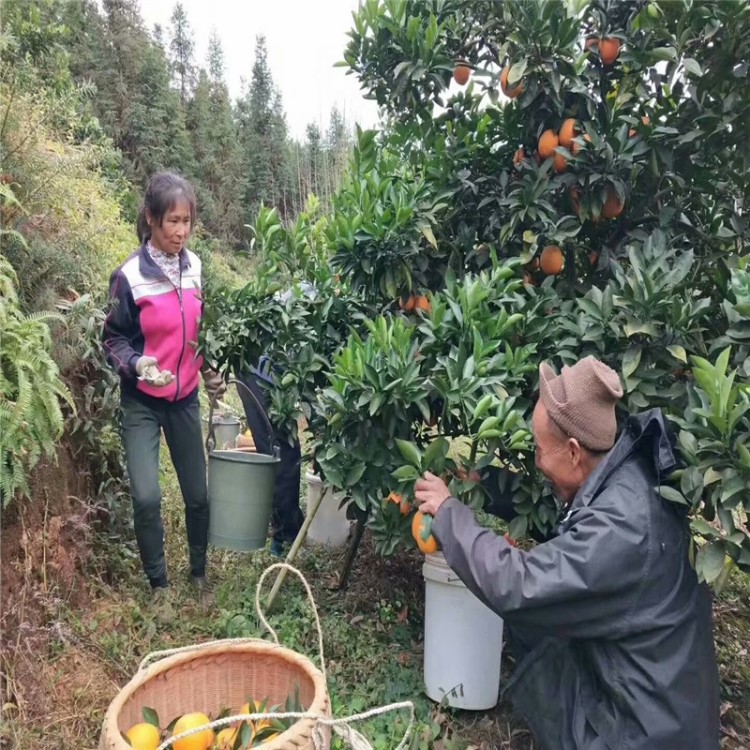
[351, 736]
[157, 655]
[313, 606]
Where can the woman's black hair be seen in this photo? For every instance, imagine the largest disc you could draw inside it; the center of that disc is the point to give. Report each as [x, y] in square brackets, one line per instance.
[164, 189]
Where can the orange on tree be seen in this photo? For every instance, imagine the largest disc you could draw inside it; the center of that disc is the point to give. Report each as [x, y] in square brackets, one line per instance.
[143, 736]
[613, 205]
[646, 120]
[422, 303]
[407, 304]
[551, 260]
[518, 157]
[559, 162]
[421, 526]
[513, 92]
[568, 131]
[200, 740]
[609, 50]
[461, 74]
[548, 142]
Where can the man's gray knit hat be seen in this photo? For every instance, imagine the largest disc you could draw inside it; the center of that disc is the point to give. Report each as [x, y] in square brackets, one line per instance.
[581, 401]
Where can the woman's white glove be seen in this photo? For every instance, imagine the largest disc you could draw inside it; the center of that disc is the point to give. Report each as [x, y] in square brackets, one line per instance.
[148, 371]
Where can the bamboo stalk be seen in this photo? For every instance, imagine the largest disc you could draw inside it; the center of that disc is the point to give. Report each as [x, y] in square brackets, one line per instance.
[292, 554]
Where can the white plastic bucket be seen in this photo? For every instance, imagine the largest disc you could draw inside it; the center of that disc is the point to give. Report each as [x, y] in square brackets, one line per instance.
[330, 525]
[463, 641]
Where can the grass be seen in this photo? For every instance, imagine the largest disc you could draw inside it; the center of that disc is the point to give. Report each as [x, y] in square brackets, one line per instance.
[372, 635]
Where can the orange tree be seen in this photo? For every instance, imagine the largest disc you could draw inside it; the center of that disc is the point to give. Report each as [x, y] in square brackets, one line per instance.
[601, 145]
[584, 190]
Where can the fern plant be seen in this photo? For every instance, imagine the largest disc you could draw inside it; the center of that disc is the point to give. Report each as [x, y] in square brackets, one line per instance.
[31, 391]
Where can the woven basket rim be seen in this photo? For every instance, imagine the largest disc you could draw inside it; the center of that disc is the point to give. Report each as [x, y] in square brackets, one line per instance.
[298, 734]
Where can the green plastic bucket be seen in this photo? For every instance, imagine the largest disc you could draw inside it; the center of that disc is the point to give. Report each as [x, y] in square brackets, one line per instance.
[240, 495]
[240, 490]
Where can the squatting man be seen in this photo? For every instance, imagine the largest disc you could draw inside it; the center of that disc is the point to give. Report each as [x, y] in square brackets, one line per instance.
[610, 629]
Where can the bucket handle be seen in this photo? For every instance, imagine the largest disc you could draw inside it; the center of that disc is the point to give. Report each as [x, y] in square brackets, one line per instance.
[211, 439]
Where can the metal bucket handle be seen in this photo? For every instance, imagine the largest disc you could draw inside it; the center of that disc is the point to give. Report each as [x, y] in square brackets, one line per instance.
[211, 440]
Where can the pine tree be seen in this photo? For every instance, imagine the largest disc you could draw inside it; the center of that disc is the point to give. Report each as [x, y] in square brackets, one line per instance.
[217, 150]
[182, 52]
[263, 136]
[215, 59]
[313, 159]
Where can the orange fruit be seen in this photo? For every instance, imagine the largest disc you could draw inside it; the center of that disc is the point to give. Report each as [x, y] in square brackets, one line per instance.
[407, 305]
[609, 50]
[226, 738]
[560, 163]
[461, 74]
[518, 157]
[552, 260]
[199, 741]
[511, 93]
[548, 142]
[422, 303]
[405, 509]
[577, 146]
[394, 497]
[613, 206]
[420, 530]
[143, 736]
[568, 131]
[646, 120]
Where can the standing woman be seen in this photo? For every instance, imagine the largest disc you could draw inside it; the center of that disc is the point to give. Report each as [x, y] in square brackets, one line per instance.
[149, 339]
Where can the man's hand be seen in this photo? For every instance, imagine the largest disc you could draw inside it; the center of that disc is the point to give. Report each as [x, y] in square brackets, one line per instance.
[430, 493]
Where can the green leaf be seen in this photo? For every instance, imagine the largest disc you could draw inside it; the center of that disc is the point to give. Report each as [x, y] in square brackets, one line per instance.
[516, 72]
[434, 457]
[700, 526]
[490, 423]
[355, 474]
[709, 561]
[150, 717]
[410, 452]
[518, 526]
[678, 352]
[711, 476]
[744, 454]
[673, 495]
[430, 236]
[482, 405]
[406, 474]
[665, 54]
[631, 360]
[692, 66]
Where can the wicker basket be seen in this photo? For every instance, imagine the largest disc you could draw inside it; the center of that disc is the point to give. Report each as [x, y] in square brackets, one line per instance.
[221, 675]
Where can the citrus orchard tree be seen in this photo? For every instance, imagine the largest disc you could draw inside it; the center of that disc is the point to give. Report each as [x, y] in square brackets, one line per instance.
[553, 179]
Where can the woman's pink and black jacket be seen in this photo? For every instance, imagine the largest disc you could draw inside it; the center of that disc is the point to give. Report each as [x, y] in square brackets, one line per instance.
[148, 316]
